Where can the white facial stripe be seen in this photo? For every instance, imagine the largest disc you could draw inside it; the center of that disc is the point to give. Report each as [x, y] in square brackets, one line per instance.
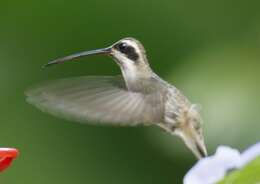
[121, 57]
[128, 66]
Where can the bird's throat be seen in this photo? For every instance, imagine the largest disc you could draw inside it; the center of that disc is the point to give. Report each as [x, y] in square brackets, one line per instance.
[136, 80]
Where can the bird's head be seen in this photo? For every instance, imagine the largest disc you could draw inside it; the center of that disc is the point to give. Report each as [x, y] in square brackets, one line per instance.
[189, 130]
[129, 53]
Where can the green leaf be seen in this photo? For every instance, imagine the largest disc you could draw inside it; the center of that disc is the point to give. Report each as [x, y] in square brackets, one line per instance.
[250, 174]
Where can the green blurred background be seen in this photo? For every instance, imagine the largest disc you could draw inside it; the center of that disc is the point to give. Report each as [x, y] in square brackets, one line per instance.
[208, 49]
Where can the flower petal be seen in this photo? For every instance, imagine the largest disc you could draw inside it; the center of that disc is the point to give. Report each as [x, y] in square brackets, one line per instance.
[6, 157]
[5, 162]
[212, 169]
[249, 154]
[8, 152]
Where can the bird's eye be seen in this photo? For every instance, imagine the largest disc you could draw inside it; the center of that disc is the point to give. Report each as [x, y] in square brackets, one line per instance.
[123, 47]
[128, 50]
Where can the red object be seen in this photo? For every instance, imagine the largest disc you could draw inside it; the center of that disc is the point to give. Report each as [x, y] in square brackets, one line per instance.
[6, 157]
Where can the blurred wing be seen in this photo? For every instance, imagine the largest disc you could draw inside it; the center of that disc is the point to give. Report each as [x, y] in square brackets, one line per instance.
[101, 99]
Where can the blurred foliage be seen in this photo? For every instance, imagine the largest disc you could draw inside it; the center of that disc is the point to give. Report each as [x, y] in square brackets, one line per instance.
[249, 174]
[208, 49]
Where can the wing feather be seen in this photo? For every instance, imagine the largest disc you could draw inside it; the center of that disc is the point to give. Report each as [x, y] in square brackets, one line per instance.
[101, 99]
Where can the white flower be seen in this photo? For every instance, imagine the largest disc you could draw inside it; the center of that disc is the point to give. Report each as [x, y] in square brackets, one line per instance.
[212, 169]
[248, 155]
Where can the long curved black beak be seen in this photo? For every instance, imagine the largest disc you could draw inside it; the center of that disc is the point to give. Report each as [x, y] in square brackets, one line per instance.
[105, 51]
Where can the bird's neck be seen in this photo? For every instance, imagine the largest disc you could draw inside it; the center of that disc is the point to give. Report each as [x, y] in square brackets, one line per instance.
[137, 79]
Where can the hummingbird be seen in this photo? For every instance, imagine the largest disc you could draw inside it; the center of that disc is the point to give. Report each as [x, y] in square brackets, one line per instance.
[137, 97]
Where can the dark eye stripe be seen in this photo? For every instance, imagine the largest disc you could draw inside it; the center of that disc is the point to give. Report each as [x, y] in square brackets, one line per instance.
[128, 50]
